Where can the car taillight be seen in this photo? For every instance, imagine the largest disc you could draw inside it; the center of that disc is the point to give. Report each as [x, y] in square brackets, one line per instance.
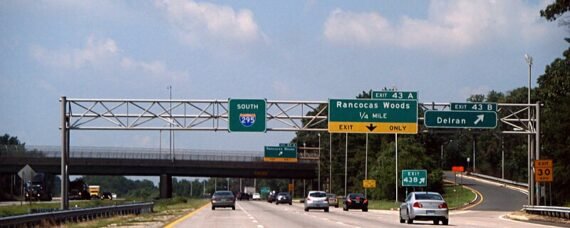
[327, 199]
[348, 200]
[365, 201]
[443, 205]
[417, 204]
[308, 199]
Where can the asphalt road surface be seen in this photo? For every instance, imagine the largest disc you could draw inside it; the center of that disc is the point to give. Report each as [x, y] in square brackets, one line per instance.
[260, 214]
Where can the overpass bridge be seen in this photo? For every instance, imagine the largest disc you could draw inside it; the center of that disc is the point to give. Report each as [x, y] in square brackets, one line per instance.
[153, 162]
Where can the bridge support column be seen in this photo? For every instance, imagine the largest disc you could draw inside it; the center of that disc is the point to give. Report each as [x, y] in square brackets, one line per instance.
[165, 186]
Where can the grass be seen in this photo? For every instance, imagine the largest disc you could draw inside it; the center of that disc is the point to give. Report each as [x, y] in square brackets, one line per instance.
[26, 207]
[165, 211]
[457, 196]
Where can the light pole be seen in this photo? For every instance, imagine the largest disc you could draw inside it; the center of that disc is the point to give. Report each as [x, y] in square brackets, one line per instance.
[330, 162]
[528, 60]
[319, 163]
[441, 155]
[171, 151]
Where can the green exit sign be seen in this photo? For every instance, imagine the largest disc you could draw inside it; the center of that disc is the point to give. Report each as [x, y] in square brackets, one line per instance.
[492, 107]
[399, 95]
[247, 115]
[460, 119]
[414, 178]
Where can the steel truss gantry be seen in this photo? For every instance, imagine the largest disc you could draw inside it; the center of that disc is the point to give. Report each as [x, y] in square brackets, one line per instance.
[212, 115]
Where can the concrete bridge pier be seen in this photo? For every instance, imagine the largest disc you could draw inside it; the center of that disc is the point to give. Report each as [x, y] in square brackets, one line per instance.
[165, 186]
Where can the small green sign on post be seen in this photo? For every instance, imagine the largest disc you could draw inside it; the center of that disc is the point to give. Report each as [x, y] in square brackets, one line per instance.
[414, 178]
[247, 115]
[491, 107]
[280, 154]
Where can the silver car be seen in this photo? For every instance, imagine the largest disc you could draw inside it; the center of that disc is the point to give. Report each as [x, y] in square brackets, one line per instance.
[424, 206]
[317, 200]
[223, 199]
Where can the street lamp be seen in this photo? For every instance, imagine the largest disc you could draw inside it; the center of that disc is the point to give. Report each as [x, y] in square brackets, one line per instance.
[319, 163]
[528, 60]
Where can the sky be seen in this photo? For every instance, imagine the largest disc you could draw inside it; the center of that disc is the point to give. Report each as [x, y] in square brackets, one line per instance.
[279, 50]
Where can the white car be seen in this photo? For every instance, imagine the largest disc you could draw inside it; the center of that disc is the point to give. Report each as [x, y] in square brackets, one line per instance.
[424, 206]
[256, 196]
[317, 200]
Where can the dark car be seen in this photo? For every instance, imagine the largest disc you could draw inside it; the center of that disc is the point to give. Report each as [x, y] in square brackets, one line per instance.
[355, 201]
[284, 197]
[223, 199]
[243, 196]
[107, 195]
[271, 197]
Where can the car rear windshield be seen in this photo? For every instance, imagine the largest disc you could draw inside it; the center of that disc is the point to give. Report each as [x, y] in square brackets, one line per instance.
[331, 195]
[428, 197]
[283, 194]
[223, 193]
[318, 194]
[354, 196]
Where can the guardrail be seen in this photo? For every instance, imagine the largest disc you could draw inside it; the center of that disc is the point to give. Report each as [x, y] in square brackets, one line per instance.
[500, 180]
[560, 212]
[55, 218]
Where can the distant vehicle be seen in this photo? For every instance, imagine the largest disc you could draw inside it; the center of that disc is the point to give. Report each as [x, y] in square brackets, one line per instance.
[271, 197]
[223, 199]
[332, 200]
[316, 200]
[249, 190]
[107, 195]
[284, 197]
[78, 190]
[355, 201]
[37, 188]
[256, 196]
[424, 206]
[243, 196]
[94, 191]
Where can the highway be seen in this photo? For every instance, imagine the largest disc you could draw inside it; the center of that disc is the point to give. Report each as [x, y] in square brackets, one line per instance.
[497, 202]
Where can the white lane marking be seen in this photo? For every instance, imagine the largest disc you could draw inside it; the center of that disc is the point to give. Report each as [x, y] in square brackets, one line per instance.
[502, 217]
[248, 214]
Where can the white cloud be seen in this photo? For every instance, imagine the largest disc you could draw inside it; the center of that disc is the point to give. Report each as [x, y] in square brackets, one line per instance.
[202, 22]
[101, 53]
[94, 52]
[449, 25]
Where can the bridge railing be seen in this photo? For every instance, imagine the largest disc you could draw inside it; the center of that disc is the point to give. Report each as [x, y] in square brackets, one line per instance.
[48, 219]
[134, 153]
[559, 212]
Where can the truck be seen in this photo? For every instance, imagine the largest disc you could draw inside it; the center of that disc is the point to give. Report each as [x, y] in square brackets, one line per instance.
[78, 190]
[95, 191]
[38, 188]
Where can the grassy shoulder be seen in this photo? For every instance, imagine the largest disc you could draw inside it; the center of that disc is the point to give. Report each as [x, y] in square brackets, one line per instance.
[27, 207]
[165, 211]
[455, 196]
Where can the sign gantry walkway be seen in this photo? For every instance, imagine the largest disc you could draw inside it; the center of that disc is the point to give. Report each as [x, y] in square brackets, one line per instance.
[358, 116]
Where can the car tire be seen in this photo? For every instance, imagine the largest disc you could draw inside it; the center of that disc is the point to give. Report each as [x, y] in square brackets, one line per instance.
[364, 209]
[410, 221]
[276, 203]
[336, 206]
[436, 222]
[445, 222]
[213, 208]
[402, 220]
[234, 208]
[327, 209]
[306, 209]
[290, 203]
[344, 209]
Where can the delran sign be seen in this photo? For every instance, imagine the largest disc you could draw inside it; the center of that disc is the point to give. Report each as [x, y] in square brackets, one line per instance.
[460, 119]
[373, 116]
[247, 115]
